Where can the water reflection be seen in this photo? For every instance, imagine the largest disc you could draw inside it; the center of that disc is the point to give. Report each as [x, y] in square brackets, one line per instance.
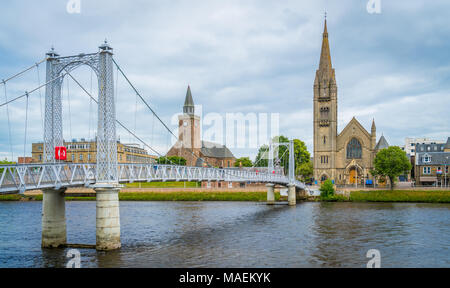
[235, 234]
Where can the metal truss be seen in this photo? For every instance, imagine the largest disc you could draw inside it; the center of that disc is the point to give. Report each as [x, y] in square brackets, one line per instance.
[21, 178]
[102, 64]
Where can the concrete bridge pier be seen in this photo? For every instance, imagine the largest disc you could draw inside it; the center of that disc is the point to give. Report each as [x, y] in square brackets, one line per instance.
[108, 218]
[292, 197]
[54, 232]
[270, 194]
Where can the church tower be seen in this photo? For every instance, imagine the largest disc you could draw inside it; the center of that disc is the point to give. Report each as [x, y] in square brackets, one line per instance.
[325, 115]
[189, 125]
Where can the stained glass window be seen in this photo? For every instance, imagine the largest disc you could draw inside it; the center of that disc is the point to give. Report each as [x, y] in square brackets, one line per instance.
[354, 150]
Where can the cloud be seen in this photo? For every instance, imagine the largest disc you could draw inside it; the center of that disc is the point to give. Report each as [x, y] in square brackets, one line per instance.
[238, 56]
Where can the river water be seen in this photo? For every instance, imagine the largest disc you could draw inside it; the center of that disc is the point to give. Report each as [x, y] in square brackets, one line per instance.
[238, 234]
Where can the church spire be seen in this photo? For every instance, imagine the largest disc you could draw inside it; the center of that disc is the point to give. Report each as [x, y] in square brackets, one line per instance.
[325, 56]
[189, 107]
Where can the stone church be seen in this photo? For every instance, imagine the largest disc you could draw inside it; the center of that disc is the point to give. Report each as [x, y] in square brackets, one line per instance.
[190, 146]
[347, 157]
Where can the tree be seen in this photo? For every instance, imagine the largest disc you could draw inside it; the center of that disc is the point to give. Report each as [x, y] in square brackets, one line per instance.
[174, 160]
[327, 189]
[262, 157]
[5, 162]
[243, 162]
[301, 154]
[304, 171]
[391, 162]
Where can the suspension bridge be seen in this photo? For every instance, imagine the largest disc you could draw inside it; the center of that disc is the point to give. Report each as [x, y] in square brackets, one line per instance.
[54, 176]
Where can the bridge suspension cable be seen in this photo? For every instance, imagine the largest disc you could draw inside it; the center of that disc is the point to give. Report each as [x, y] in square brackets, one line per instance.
[156, 115]
[118, 122]
[23, 71]
[9, 124]
[33, 90]
[26, 128]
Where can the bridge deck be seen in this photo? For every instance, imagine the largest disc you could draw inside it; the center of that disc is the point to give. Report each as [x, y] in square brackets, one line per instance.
[20, 178]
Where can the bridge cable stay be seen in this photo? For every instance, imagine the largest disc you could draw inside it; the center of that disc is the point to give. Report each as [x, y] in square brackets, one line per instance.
[70, 112]
[9, 122]
[40, 96]
[90, 118]
[118, 122]
[128, 130]
[154, 113]
[26, 128]
[4, 82]
[32, 91]
[23, 71]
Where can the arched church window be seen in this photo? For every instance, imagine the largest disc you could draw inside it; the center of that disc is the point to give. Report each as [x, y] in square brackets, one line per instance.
[354, 150]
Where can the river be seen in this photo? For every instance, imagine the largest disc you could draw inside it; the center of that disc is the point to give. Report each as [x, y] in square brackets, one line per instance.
[238, 234]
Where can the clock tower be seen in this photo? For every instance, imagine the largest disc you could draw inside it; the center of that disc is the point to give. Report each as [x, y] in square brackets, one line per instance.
[189, 125]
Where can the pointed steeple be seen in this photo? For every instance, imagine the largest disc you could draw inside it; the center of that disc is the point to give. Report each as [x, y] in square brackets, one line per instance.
[374, 128]
[189, 107]
[325, 56]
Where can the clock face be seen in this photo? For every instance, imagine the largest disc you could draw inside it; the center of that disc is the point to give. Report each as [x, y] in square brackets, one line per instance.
[185, 123]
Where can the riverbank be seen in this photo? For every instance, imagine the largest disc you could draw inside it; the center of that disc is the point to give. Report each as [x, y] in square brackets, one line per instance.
[398, 196]
[404, 196]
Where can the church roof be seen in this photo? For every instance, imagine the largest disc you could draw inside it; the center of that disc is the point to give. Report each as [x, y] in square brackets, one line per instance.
[214, 150]
[447, 146]
[188, 107]
[356, 122]
[382, 144]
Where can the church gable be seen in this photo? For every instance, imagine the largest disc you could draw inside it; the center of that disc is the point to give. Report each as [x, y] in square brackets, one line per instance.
[354, 129]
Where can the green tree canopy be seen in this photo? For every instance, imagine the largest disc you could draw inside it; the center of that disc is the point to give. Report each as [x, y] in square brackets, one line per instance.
[172, 160]
[301, 154]
[262, 157]
[246, 162]
[305, 171]
[391, 162]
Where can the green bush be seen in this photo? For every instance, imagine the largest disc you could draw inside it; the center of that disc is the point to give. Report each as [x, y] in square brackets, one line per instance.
[327, 189]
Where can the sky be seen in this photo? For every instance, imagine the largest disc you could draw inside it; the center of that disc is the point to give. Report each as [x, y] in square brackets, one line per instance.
[238, 56]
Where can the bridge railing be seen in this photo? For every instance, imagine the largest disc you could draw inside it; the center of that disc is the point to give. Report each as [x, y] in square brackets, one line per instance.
[20, 178]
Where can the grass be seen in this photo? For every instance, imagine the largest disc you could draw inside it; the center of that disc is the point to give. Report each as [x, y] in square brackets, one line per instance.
[356, 196]
[196, 196]
[12, 197]
[334, 198]
[164, 185]
[401, 196]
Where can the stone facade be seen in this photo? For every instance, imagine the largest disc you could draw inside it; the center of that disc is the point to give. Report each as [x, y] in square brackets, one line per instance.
[347, 157]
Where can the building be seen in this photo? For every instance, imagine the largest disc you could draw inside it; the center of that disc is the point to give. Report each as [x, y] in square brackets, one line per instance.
[190, 146]
[24, 160]
[431, 164]
[347, 157]
[410, 144]
[85, 151]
